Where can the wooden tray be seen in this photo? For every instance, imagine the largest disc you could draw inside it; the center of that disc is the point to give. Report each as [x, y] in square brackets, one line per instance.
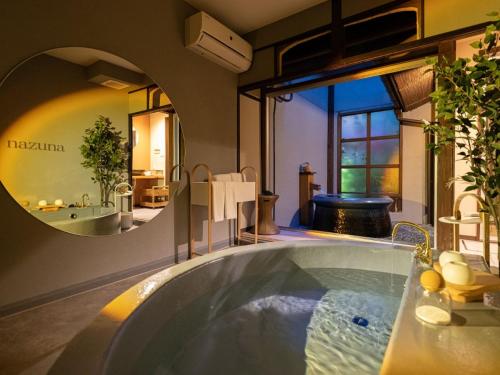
[485, 282]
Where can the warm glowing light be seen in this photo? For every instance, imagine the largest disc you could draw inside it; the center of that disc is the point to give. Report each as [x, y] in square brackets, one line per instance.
[30, 174]
[121, 307]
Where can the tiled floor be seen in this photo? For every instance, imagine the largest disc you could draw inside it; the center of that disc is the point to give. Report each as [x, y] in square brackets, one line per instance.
[143, 215]
[31, 341]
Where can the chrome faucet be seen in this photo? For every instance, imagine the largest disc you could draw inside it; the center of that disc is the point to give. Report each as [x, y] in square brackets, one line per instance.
[85, 195]
[485, 219]
[423, 250]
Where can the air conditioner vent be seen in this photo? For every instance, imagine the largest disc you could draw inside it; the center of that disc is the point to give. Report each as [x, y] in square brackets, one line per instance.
[114, 84]
[214, 41]
[113, 76]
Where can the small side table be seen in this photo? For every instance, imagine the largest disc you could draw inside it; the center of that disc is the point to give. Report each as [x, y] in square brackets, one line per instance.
[266, 222]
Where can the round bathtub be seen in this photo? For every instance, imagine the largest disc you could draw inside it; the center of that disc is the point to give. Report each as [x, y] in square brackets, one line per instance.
[87, 221]
[288, 307]
[352, 214]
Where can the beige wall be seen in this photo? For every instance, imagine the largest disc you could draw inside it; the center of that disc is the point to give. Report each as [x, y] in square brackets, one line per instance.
[249, 133]
[413, 168]
[463, 49]
[301, 136]
[441, 16]
[69, 105]
[141, 158]
[249, 146]
[296, 24]
[36, 258]
[469, 205]
[157, 127]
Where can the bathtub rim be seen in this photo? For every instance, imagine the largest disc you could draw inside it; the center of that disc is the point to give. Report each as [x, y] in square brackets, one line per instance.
[58, 225]
[98, 338]
[352, 202]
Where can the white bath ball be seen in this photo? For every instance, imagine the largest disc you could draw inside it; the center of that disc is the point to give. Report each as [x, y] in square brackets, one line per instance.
[58, 202]
[450, 256]
[42, 203]
[458, 273]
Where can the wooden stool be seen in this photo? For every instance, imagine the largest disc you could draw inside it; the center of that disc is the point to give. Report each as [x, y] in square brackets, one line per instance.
[266, 222]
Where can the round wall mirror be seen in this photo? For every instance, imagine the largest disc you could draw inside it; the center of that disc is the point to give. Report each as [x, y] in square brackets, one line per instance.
[88, 142]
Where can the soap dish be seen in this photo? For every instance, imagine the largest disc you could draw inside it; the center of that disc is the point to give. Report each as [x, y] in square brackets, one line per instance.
[434, 306]
[433, 314]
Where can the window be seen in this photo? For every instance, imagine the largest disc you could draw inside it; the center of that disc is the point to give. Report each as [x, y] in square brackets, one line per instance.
[369, 154]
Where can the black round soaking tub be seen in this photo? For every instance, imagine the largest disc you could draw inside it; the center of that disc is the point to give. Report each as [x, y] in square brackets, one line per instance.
[349, 214]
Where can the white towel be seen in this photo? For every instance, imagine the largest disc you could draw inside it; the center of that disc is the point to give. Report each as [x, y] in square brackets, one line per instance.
[230, 204]
[227, 190]
[245, 191]
[218, 198]
[237, 177]
[222, 177]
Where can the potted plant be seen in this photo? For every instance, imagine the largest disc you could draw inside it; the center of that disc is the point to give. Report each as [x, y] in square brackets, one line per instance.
[104, 152]
[467, 98]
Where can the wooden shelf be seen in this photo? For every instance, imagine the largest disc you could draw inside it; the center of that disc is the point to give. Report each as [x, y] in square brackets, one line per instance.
[155, 192]
[154, 197]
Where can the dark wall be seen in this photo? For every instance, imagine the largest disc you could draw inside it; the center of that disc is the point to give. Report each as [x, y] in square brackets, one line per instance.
[37, 259]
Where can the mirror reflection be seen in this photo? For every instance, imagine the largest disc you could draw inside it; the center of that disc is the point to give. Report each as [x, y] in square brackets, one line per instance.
[87, 141]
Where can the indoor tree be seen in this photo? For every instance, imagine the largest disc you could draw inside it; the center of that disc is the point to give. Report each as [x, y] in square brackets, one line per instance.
[467, 101]
[104, 153]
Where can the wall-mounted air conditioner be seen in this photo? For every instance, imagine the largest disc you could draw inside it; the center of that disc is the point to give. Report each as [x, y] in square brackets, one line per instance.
[211, 39]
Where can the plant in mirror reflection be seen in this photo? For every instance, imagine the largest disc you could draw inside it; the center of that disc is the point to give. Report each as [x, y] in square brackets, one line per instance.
[467, 100]
[104, 153]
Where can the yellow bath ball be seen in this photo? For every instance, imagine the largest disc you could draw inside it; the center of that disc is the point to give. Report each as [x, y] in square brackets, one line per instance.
[431, 280]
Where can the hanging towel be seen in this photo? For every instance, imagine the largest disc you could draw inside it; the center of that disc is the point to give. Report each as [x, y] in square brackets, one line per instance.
[245, 191]
[227, 190]
[222, 177]
[218, 197]
[237, 177]
[230, 204]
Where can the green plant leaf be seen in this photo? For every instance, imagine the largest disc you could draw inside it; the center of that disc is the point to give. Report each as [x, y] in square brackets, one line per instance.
[477, 44]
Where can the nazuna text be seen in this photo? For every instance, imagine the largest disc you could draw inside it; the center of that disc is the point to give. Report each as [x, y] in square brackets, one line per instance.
[35, 146]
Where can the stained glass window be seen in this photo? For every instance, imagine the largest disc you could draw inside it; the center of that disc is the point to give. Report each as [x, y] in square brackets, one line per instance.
[384, 151]
[384, 180]
[384, 123]
[354, 153]
[354, 126]
[353, 180]
[370, 141]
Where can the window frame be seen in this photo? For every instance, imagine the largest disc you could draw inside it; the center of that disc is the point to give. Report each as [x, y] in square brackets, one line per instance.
[397, 206]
